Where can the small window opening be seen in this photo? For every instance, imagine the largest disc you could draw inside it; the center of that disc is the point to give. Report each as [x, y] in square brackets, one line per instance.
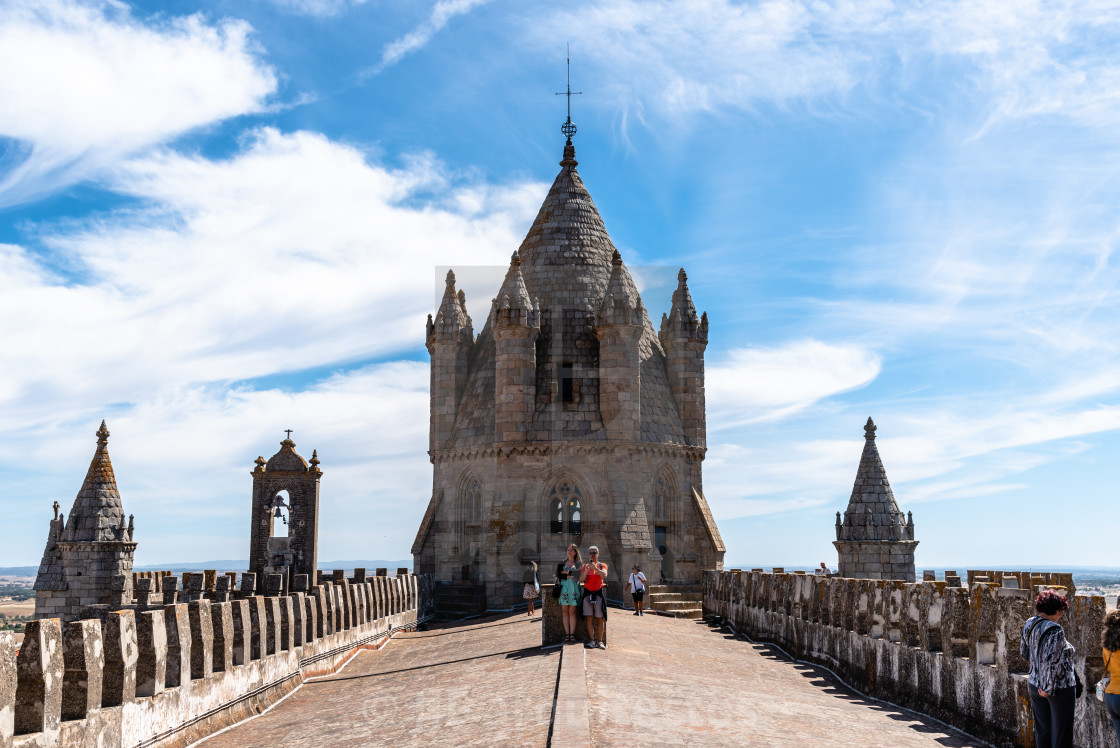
[569, 387]
[557, 527]
[280, 508]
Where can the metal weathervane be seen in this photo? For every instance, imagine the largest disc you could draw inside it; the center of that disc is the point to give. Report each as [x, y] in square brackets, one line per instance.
[569, 127]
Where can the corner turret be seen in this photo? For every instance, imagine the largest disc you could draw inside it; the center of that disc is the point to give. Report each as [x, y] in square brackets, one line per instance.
[515, 321]
[619, 327]
[450, 337]
[684, 336]
[874, 539]
[88, 559]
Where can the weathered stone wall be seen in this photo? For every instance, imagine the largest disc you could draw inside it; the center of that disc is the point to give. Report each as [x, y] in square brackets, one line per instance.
[952, 653]
[517, 526]
[106, 682]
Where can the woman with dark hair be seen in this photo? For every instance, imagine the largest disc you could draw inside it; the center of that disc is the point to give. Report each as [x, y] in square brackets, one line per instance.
[1051, 680]
[1110, 642]
[567, 576]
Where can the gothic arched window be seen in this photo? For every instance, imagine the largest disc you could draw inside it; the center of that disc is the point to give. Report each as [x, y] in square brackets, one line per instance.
[473, 500]
[557, 517]
[662, 492]
[565, 502]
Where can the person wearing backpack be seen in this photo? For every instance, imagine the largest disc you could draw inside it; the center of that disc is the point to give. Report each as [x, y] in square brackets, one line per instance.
[1110, 644]
[1051, 682]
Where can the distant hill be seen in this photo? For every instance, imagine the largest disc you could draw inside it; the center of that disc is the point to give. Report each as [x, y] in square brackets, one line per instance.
[233, 565]
[243, 564]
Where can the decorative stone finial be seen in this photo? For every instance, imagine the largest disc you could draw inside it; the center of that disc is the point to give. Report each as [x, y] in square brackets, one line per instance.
[56, 510]
[451, 277]
[616, 258]
[515, 260]
[314, 457]
[682, 276]
[869, 429]
[259, 462]
[569, 155]
[102, 434]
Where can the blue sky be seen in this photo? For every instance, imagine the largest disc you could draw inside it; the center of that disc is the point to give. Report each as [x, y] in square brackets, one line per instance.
[221, 220]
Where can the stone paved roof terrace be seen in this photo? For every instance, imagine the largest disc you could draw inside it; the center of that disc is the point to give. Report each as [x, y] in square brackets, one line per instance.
[662, 682]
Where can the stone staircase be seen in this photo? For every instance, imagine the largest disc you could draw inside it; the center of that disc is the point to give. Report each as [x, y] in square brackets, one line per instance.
[677, 600]
[454, 601]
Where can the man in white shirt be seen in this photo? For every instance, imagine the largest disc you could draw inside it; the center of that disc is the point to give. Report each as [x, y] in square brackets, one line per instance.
[637, 588]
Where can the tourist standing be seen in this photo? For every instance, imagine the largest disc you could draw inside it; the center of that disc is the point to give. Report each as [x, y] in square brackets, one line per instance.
[594, 604]
[1051, 680]
[1111, 645]
[637, 588]
[532, 585]
[567, 576]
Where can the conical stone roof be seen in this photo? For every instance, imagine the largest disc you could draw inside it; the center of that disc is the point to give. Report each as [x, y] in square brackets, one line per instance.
[565, 266]
[97, 513]
[872, 513]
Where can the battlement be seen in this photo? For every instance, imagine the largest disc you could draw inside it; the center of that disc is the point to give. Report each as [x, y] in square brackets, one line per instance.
[951, 652]
[169, 673]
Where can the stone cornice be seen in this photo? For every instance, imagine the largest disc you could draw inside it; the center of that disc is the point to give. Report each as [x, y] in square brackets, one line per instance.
[97, 545]
[565, 449]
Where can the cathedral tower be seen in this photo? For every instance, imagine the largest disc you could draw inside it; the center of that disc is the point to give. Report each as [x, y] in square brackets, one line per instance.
[88, 559]
[874, 539]
[567, 419]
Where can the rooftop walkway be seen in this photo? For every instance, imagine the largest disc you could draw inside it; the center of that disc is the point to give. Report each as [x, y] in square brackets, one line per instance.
[663, 681]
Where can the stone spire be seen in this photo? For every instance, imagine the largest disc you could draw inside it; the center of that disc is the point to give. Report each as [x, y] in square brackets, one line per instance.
[88, 559]
[684, 336]
[682, 320]
[566, 254]
[512, 306]
[451, 323]
[872, 513]
[97, 513]
[621, 304]
[874, 539]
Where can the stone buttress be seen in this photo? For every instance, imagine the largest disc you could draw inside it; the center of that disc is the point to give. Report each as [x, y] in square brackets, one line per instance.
[874, 539]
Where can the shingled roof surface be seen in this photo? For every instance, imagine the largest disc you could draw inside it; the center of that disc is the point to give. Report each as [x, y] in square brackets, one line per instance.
[872, 513]
[97, 513]
[566, 261]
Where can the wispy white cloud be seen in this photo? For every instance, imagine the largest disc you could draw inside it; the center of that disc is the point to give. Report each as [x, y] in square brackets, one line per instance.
[1017, 59]
[84, 84]
[323, 8]
[760, 384]
[295, 253]
[442, 12]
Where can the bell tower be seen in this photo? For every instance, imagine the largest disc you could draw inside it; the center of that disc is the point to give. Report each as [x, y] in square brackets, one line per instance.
[285, 531]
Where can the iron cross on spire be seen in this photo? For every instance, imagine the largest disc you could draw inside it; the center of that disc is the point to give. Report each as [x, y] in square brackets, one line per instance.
[569, 127]
[289, 433]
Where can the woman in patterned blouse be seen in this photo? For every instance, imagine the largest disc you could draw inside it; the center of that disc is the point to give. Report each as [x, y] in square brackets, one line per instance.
[1051, 680]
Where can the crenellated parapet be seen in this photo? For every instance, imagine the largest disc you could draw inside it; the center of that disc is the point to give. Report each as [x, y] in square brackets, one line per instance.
[157, 674]
[951, 652]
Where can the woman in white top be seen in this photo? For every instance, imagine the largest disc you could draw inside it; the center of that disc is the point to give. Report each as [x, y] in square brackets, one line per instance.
[637, 588]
